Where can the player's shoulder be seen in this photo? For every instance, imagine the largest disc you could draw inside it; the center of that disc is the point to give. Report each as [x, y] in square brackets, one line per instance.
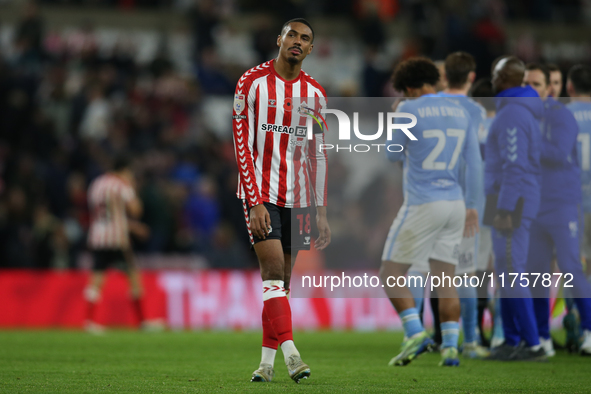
[475, 107]
[420, 105]
[555, 105]
[572, 106]
[436, 101]
[308, 78]
[578, 106]
[98, 184]
[99, 179]
[560, 110]
[256, 72]
[414, 103]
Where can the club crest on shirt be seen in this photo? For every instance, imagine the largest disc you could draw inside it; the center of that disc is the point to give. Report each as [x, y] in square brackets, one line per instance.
[238, 103]
[272, 103]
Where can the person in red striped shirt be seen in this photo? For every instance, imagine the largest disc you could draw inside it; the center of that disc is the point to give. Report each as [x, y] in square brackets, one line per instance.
[114, 208]
[282, 173]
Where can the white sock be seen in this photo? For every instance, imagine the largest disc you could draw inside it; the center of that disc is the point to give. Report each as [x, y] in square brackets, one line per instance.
[272, 289]
[268, 355]
[536, 347]
[288, 348]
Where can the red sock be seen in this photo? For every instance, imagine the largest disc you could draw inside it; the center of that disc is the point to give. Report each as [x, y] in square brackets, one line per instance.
[279, 314]
[90, 308]
[137, 306]
[269, 337]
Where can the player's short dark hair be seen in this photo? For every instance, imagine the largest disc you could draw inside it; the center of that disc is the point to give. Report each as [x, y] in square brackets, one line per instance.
[121, 162]
[539, 67]
[483, 89]
[414, 73]
[553, 67]
[580, 77]
[299, 20]
[457, 67]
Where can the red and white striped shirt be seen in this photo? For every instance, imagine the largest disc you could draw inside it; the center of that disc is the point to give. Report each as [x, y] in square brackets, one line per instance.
[108, 196]
[276, 161]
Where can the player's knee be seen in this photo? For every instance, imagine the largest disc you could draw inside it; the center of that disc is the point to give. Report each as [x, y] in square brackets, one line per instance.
[136, 292]
[383, 272]
[272, 269]
[447, 292]
[92, 294]
[389, 268]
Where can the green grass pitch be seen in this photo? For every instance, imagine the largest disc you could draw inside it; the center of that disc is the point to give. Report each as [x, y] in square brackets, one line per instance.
[204, 362]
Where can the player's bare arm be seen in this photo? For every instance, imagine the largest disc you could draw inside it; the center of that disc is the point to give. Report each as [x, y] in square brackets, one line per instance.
[139, 230]
[471, 227]
[324, 234]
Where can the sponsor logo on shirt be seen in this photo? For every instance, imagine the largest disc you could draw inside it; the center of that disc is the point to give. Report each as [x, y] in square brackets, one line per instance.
[298, 131]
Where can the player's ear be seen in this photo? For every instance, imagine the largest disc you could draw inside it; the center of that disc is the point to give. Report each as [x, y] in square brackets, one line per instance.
[279, 41]
[310, 49]
[471, 76]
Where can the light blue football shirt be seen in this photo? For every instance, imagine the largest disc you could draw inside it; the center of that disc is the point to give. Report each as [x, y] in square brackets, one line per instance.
[479, 120]
[445, 134]
[582, 112]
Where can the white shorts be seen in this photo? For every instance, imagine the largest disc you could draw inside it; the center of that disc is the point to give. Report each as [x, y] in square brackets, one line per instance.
[485, 248]
[466, 260]
[427, 231]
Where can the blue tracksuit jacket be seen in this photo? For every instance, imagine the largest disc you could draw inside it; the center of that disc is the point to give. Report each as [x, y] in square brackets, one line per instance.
[512, 166]
[561, 175]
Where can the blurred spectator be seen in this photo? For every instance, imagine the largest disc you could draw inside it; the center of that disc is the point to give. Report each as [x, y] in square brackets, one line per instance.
[264, 35]
[203, 18]
[30, 30]
[370, 26]
[15, 230]
[157, 214]
[97, 116]
[50, 244]
[202, 213]
[210, 75]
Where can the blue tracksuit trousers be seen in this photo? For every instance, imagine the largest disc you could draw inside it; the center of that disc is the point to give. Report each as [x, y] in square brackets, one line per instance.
[517, 309]
[560, 228]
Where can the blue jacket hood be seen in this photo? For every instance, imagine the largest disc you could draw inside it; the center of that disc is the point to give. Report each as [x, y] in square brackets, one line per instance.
[508, 97]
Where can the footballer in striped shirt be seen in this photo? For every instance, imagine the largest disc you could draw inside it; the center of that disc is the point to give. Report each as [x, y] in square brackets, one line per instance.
[282, 174]
[114, 208]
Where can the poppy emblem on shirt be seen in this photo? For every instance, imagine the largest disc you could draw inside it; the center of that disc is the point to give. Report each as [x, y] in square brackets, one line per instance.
[288, 105]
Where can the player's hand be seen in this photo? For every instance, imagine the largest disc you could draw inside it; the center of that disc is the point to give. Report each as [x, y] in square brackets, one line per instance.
[139, 230]
[503, 223]
[260, 221]
[471, 225]
[323, 229]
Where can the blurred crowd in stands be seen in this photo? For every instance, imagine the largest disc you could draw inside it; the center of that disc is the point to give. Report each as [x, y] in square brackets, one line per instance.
[67, 106]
